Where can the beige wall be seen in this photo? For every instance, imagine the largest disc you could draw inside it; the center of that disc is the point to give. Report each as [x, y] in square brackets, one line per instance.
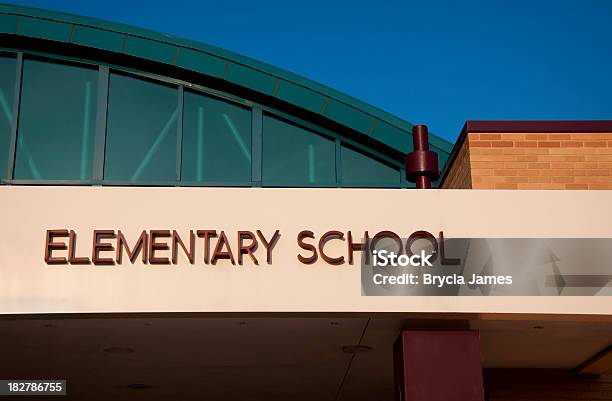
[28, 285]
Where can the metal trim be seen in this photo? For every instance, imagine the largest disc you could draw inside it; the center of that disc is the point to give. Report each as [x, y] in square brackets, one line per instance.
[101, 117]
[14, 126]
[338, 161]
[179, 133]
[257, 146]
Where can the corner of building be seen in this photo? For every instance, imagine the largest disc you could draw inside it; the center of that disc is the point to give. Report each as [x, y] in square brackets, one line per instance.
[541, 155]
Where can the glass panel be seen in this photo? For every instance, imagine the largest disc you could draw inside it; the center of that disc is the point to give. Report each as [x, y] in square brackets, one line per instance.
[360, 169]
[56, 122]
[140, 131]
[7, 89]
[216, 141]
[294, 156]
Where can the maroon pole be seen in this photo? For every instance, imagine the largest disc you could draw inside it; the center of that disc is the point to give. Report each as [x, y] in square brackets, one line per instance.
[438, 366]
[421, 163]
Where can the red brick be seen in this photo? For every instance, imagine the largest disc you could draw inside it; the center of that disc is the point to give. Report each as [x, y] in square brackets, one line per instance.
[482, 171]
[515, 165]
[492, 158]
[505, 186]
[577, 186]
[557, 172]
[553, 186]
[570, 151]
[562, 164]
[525, 144]
[539, 165]
[502, 144]
[513, 137]
[600, 172]
[527, 173]
[537, 151]
[557, 137]
[597, 158]
[513, 151]
[560, 158]
[593, 180]
[516, 180]
[539, 179]
[571, 144]
[487, 179]
[482, 185]
[594, 137]
[480, 144]
[549, 144]
[586, 165]
[595, 144]
[527, 158]
[565, 180]
[485, 151]
[487, 164]
[530, 185]
[505, 172]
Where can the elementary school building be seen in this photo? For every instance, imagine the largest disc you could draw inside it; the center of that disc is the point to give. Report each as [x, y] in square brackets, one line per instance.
[184, 223]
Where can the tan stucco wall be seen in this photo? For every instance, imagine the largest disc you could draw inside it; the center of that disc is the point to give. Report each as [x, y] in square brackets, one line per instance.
[28, 285]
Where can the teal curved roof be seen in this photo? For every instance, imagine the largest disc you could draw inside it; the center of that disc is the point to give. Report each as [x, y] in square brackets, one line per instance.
[213, 61]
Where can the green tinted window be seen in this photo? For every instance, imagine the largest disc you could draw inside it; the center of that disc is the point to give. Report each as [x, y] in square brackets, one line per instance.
[293, 156]
[56, 122]
[360, 169]
[216, 141]
[7, 88]
[141, 131]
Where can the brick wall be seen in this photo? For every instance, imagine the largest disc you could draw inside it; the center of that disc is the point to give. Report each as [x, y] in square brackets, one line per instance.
[459, 176]
[544, 385]
[534, 161]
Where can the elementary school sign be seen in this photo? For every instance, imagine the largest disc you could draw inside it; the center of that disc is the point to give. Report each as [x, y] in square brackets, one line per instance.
[162, 247]
[68, 249]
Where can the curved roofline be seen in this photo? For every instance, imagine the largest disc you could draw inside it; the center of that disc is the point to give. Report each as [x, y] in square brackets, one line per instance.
[216, 62]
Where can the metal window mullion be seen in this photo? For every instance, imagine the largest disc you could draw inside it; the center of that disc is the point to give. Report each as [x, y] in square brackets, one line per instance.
[338, 161]
[403, 181]
[179, 133]
[256, 146]
[101, 117]
[15, 122]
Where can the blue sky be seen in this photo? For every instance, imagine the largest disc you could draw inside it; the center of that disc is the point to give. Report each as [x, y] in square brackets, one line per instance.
[432, 62]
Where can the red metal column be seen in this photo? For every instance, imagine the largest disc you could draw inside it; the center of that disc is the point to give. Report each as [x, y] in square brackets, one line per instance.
[421, 164]
[438, 366]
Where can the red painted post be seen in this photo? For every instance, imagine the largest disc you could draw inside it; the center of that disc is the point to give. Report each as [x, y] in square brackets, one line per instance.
[439, 365]
[421, 163]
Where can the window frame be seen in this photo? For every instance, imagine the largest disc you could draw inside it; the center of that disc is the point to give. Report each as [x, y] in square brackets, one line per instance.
[6, 171]
[257, 112]
[22, 58]
[327, 136]
[212, 183]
